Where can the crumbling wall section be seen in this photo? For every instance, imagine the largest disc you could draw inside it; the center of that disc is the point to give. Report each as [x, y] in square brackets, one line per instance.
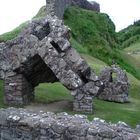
[57, 7]
[17, 90]
[19, 124]
[115, 84]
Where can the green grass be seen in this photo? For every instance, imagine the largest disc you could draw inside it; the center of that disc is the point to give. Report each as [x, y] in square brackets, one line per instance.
[129, 35]
[132, 54]
[115, 112]
[134, 51]
[94, 34]
[92, 30]
[96, 64]
[46, 93]
[133, 48]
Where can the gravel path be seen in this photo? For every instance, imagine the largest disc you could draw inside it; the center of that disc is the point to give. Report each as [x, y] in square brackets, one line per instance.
[51, 107]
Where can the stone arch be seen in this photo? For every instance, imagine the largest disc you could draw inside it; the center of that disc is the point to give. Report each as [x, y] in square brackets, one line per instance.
[36, 71]
[114, 90]
[43, 53]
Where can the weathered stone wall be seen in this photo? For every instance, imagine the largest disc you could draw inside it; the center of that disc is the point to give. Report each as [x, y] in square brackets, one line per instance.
[42, 53]
[115, 84]
[57, 7]
[20, 124]
[21, 91]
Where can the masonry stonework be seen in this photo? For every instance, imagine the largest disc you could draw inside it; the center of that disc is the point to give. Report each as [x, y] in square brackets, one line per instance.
[115, 85]
[42, 53]
[18, 90]
[21, 124]
[57, 7]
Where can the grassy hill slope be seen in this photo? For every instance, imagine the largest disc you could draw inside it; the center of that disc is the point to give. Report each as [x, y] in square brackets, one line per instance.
[129, 35]
[93, 30]
[94, 34]
[134, 51]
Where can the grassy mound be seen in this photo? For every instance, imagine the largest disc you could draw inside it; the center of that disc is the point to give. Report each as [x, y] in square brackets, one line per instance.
[93, 30]
[94, 34]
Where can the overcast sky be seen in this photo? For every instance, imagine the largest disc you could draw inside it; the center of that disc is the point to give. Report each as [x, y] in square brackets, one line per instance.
[122, 12]
[14, 12]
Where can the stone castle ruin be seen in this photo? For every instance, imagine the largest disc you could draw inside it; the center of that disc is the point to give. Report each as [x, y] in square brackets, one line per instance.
[115, 85]
[42, 53]
[57, 7]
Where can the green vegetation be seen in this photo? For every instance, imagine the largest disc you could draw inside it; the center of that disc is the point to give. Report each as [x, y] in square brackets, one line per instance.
[94, 34]
[134, 51]
[129, 35]
[46, 93]
[93, 31]
[14, 33]
[132, 54]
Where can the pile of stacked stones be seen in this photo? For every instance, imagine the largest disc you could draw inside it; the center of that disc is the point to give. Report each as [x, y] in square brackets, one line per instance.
[19, 124]
[115, 84]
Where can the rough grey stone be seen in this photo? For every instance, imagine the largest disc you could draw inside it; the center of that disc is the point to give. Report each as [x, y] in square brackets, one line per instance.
[42, 53]
[61, 127]
[114, 88]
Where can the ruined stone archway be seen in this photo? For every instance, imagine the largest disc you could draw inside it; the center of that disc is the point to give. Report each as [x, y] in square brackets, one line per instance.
[42, 53]
[114, 88]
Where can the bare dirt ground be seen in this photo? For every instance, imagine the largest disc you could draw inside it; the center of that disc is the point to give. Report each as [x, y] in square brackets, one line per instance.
[51, 107]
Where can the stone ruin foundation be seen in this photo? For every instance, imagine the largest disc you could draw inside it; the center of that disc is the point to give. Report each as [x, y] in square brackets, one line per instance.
[21, 124]
[115, 84]
[42, 53]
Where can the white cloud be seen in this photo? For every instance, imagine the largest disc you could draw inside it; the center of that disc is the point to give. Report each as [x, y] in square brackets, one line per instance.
[15, 12]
